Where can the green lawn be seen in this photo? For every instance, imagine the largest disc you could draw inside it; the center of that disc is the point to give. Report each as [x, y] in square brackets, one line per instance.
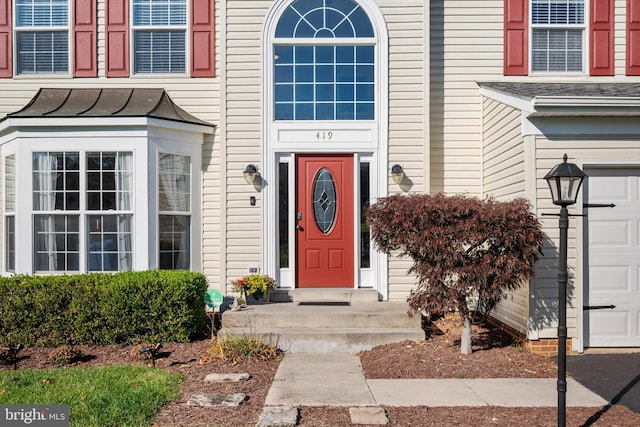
[105, 396]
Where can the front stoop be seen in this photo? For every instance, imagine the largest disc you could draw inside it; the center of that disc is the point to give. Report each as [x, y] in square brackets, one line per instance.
[326, 295]
[316, 322]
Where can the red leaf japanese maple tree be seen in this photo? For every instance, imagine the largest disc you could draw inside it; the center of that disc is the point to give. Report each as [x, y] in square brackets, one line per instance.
[461, 247]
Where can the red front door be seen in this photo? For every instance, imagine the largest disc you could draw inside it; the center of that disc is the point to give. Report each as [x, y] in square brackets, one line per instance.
[324, 221]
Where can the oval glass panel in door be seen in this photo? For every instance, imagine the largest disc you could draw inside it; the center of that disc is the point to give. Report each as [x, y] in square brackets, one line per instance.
[324, 200]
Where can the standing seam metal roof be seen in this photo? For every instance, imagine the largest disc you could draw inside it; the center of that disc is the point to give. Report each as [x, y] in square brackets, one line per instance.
[105, 102]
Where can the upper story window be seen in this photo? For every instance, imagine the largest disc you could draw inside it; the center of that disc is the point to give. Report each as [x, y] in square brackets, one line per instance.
[42, 36]
[159, 36]
[568, 36]
[332, 76]
[557, 35]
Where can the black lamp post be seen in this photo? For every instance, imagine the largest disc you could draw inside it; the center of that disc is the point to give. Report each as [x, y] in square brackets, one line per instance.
[564, 182]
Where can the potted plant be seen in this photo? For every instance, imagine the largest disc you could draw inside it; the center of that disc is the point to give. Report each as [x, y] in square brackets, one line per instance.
[258, 285]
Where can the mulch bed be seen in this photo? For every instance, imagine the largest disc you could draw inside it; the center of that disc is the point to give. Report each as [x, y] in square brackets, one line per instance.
[495, 355]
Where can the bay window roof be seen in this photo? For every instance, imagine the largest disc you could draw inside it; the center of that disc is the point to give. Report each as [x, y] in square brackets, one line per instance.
[105, 103]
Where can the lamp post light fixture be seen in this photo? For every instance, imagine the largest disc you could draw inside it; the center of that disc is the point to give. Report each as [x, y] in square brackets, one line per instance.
[564, 182]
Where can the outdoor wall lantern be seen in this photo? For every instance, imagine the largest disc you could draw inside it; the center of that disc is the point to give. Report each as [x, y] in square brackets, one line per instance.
[397, 174]
[564, 182]
[250, 174]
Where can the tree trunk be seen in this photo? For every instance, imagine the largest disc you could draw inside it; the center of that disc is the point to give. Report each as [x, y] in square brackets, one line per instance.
[465, 339]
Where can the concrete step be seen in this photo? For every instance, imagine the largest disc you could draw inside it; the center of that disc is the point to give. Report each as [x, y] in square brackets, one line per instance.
[325, 295]
[297, 315]
[330, 340]
[324, 327]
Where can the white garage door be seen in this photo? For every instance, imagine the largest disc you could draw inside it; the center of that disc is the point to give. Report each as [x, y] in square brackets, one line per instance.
[613, 258]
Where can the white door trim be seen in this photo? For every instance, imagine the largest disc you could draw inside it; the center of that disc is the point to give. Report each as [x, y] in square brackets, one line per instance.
[366, 138]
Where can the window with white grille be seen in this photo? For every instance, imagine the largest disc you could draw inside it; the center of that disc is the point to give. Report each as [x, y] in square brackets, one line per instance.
[557, 35]
[159, 36]
[82, 206]
[324, 62]
[174, 211]
[42, 36]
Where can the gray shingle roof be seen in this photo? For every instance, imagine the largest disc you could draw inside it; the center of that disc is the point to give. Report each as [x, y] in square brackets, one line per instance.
[569, 90]
[108, 102]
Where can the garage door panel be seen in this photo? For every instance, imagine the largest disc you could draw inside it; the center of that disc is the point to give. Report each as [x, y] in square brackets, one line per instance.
[614, 189]
[610, 278]
[609, 322]
[608, 233]
[613, 258]
[610, 328]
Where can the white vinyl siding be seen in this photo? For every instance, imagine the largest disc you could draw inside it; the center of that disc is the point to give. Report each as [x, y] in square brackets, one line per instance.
[466, 46]
[503, 179]
[407, 23]
[502, 151]
[242, 133]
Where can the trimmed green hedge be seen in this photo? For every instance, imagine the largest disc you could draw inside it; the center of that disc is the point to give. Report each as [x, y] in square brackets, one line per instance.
[121, 308]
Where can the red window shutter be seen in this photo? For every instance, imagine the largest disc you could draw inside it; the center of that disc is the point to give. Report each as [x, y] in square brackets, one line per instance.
[84, 39]
[202, 38]
[117, 38]
[6, 60]
[516, 38]
[601, 38]
[633, 37]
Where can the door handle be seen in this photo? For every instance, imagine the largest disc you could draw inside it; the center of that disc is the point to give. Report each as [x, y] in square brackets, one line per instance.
[299, 227]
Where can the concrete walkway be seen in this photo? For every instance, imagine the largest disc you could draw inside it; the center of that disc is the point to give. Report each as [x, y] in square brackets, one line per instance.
[337, 379]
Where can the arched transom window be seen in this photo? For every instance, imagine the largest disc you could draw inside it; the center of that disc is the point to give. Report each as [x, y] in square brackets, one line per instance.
[324, 64]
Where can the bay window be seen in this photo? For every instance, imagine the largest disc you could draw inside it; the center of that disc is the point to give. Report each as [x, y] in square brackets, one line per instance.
[82, 197]
[9, 212]
[109, 188]
[174, 211]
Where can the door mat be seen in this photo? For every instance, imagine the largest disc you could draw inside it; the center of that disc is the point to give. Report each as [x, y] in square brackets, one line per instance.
[326, 303]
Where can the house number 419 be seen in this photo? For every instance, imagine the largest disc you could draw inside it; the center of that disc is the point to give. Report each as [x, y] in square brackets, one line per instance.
[322, 136]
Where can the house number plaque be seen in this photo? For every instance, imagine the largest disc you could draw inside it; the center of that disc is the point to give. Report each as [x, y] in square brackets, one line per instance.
[324, 136]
